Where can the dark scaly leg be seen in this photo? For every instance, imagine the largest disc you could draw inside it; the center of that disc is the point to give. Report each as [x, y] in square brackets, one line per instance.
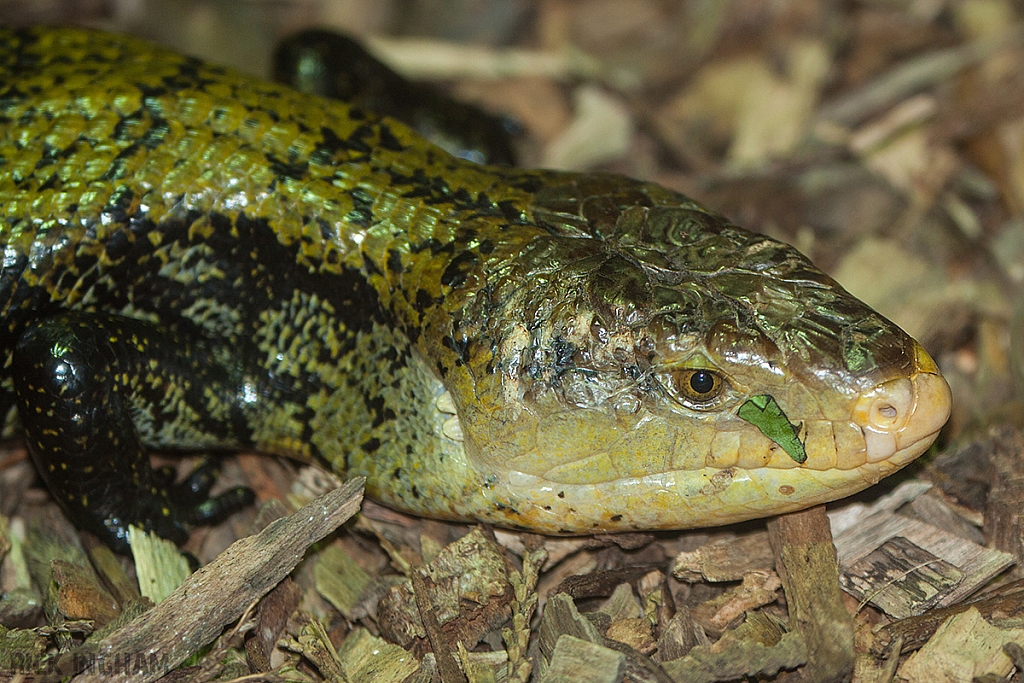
[94, 389]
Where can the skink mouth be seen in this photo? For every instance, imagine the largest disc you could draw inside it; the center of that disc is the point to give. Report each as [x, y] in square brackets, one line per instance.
[900, 418]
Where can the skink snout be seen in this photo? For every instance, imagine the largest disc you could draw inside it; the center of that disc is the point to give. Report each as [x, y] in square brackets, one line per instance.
[900, 418]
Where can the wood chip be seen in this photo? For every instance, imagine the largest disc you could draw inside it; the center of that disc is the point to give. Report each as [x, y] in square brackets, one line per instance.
[342, 581]
[622, 604]
[271, 617]
[933, 509]
[1004, 512]
[807, 566]
[964, 648]
[218, 594]
[560, 618]
[680, 636]
[81, 595]
[727, 559]
[1002, 605]
[468, 593]
[575, 660]
[758, 647]
[933, 546]
[159, 564]
[758, 589]
[900, 578]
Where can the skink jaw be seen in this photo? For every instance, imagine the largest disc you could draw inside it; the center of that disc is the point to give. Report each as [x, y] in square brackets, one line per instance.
[900, 418]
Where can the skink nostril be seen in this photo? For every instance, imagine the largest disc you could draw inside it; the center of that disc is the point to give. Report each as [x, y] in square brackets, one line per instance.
[887, 406]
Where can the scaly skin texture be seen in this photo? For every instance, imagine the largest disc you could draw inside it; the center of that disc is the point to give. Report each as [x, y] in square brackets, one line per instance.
[246, 266]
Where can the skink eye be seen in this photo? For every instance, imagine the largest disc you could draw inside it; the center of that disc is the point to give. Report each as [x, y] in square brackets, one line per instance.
[699, 385]
[702, 382]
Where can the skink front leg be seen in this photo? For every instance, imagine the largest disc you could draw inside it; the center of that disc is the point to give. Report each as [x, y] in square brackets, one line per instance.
[93, 391]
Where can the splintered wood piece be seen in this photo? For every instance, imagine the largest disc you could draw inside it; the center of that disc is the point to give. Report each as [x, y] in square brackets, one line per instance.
[635, 632]
[930, 559]
[900, 578]
[759, 647]
[806, 563]
[574, 660]
[341, 580]
[271, 618]
[369, 659]
[937, 511]
[622, 604]
[443, 649]
[870, 668]
[758, 589]
[107, 565]
[679, 637]
[80, 595]
[964, 648]
[159, 564]
[218, 594]
[727, 559]
[1003, 604]
[560, 618]
[1004, 508]
[467, 592]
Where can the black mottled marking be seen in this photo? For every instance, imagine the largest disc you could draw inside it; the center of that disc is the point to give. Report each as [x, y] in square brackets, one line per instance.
[465, 234]
[431, 189]
[434, 245]
[420, 247]
[395, 261]
[512, 212]
[124, 130]
[288, 169]
[361, 140]
[321, 156]
[118, 246]
[388, 140]
[331, 145]
[362, 208]
[117, 208]
[327, 232]
[455, 273]
[564, 351]
[370, 266]
[157, 133]
[370, 446]
[375, 404]
[423, 300]
[616, 518]
[460, 347]
[527, 183]
[51, 182]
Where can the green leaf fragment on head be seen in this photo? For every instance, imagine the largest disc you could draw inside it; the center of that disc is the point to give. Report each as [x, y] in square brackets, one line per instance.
[763, 412]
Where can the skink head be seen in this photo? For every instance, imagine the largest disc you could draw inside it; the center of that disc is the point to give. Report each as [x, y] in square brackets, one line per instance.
[648, 365]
